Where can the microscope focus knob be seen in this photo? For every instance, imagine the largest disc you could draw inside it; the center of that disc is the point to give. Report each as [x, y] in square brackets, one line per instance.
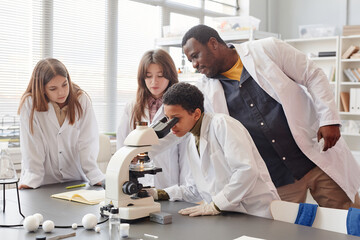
[130, 188]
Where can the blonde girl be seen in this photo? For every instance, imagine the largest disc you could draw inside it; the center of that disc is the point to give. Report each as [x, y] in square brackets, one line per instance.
[59, 138]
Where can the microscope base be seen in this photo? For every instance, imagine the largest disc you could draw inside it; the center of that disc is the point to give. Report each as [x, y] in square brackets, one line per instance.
[136, 212]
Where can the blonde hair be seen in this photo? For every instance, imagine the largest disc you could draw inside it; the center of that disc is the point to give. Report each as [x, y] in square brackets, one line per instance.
[44, 71]
[164, 60]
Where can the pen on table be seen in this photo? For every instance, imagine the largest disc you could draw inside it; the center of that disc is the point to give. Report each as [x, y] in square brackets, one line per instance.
[76, 186]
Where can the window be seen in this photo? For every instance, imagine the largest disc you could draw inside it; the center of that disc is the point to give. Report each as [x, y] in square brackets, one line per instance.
[180, 15]
[77, 37]
[78, 40]
[19, 50]
[186, 22]
[138, 26]
[193, 3]
[221, 6]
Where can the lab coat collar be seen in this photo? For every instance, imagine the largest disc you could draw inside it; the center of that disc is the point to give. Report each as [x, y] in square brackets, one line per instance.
[53, 119]
[240, 48]
[247, 60]
[204, 132]
[158, 115]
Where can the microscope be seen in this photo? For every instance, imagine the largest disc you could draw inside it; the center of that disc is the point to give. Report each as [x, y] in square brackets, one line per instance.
[123, 190]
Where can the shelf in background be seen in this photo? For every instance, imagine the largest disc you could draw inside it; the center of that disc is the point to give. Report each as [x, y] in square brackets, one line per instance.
[349, 114]
[350, 60]
[323, 58]
[342, 83]
[350, 134]
[350, 37]
[301, 40]
[235, 37]
[350, 83]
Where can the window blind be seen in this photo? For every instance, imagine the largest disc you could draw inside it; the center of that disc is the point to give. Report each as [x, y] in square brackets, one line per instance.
[19, 49]
[139, 25]
[78, 39]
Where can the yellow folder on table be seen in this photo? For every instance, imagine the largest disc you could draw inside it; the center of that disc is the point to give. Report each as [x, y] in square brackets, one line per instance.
[83, 196]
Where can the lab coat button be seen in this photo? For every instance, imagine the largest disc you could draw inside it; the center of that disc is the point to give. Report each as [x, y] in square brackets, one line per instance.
[273, 140]
[251, 105]
[60, 152]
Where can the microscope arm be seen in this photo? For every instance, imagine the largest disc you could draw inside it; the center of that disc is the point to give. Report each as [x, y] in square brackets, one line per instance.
[139, 140]
[117, 173]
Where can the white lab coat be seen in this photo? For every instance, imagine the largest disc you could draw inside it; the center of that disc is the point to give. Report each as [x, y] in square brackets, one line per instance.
[174, 168]
[230, 171]
[55, 154]
[284, 73]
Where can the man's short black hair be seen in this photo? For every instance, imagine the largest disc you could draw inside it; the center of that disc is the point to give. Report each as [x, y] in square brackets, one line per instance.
[186, 95]
[202, 34]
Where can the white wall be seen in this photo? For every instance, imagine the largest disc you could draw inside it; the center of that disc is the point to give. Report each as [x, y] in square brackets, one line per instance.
[259, 9]
[353, 12]
[285, 16]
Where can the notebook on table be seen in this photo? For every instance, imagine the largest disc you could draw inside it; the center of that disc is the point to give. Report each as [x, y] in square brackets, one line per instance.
[91, 197]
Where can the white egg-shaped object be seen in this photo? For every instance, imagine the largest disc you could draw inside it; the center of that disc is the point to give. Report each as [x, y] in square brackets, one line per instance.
[48, 226]
[89, 221]
[31, 223]
[74, 226]
[39, 217]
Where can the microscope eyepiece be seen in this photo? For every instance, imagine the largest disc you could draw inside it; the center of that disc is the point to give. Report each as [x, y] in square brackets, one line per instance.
[163, 127]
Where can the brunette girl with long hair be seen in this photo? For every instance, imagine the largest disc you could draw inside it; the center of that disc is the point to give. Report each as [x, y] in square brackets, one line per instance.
[156, 73]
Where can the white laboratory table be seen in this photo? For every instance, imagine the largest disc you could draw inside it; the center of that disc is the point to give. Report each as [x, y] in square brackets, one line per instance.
[221, 227]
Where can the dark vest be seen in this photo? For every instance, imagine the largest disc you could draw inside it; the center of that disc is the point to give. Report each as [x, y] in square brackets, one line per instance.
[266, 122]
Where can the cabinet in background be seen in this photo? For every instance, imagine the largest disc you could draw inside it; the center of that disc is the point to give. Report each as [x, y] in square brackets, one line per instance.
[350, 86]
[312, 46]
[338, 80]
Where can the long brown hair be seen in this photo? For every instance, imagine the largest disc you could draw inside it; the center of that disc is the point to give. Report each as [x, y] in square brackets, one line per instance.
[44, 71]
[164, 60]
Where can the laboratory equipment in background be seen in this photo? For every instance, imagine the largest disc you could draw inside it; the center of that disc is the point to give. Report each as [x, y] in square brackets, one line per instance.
[10, 129]
[7, 170]
[7, 173]
[114, 224]
[124, 230]
[123, 191]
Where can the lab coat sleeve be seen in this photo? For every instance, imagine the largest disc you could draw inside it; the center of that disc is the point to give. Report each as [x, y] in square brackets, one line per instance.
[125, 125]
[303, 71]
[32, 149]
[164, 143]
[186, 190]
[89, 142]
[237, 149]
[187, 193]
